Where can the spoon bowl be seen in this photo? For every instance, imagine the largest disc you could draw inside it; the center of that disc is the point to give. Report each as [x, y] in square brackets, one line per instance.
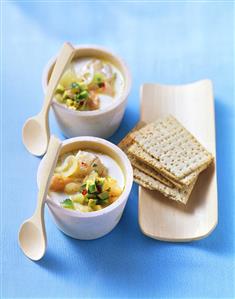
[36, 133]
[35, 136]
[32, 240]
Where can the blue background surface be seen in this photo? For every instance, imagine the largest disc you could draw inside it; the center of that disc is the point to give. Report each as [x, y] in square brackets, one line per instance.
[161, 42]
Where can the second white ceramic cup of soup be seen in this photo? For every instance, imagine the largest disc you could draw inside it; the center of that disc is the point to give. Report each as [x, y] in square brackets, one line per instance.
[100, 123]
[91, 225]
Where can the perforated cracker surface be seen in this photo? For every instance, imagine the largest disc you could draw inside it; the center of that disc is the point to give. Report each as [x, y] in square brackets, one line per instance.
[177, 151]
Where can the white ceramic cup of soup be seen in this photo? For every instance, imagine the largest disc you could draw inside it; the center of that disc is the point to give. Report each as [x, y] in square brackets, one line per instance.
[91, 225]
[102, 122]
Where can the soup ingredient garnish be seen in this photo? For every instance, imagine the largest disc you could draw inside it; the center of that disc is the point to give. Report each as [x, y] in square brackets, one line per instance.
[68, 204]
[89, 187]
[80, 91]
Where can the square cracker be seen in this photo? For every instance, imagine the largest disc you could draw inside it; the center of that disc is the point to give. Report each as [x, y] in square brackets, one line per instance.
[126, 143]
[156, 181]
[176, 149]
[147, 163]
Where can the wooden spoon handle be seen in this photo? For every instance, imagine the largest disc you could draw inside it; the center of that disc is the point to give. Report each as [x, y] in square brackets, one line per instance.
[51, 158]
[64, 58]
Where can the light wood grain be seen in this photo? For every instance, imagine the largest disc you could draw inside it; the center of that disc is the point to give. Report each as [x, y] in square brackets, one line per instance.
[159, 217]
[32, 233]
[36, 131]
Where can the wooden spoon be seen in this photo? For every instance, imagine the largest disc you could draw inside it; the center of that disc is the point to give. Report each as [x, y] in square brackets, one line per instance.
[36, 132]
[32, 234]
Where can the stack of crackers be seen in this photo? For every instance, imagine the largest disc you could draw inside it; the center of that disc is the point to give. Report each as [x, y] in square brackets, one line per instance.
[166, 157]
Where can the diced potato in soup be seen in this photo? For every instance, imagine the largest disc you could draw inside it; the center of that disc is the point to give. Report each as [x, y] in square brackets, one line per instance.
[86, 181]
[89, 84]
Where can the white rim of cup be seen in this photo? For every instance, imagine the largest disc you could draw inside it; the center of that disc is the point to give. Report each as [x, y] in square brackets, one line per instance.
[125, 192]
[121, 99]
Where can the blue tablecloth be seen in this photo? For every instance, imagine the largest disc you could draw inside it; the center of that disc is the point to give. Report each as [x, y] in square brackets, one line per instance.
[161, 42]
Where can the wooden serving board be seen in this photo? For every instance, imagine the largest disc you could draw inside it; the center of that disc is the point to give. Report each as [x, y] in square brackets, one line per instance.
[159, 217]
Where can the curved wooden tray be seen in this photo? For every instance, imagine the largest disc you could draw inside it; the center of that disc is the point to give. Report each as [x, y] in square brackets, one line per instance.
[159, 217]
